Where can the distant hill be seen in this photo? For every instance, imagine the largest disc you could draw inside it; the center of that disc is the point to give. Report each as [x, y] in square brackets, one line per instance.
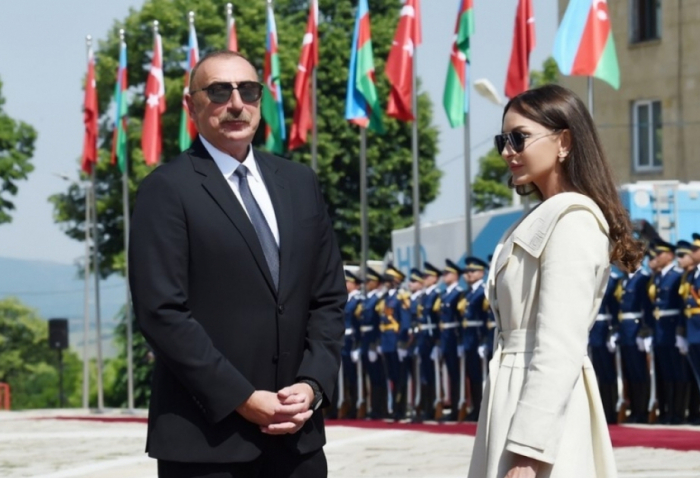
[57, 291]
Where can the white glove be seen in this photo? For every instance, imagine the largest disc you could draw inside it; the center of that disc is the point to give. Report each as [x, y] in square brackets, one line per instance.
[640, 344]
[682, 344]
[372, 355]
[435, 353]
[379, 349]
[460, 351]
[355, 355]
[648, 344]
[611, 344]
[482, 351]
[403, 353]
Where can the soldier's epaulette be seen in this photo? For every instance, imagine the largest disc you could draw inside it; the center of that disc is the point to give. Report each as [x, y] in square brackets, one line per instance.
[437, 305]
[485, 305]
[462, 305]
[358, 310]
[380, 306]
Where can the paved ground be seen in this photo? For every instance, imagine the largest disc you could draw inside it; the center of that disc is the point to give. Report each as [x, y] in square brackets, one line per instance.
[65, 449]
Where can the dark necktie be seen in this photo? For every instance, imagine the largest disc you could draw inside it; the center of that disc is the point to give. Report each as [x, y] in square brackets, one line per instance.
[262, 228]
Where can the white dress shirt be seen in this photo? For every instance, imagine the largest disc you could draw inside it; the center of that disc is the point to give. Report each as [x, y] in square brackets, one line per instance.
[228, 164]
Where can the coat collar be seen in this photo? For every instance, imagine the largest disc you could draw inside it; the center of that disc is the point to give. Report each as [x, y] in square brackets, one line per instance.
[215, 184]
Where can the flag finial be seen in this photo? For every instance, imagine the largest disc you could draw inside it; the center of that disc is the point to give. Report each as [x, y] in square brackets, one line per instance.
[155, 27]
[229, 9]
[88, 40]
[121, 34]
[191, 15]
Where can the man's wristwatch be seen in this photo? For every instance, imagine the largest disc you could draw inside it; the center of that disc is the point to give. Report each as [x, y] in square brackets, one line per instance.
[318, 395]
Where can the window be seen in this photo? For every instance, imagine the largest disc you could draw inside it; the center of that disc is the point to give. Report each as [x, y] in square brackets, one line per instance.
[647, 136]
[646, 20]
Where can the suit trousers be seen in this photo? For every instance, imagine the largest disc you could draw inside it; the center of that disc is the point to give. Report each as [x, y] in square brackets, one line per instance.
[275, 462]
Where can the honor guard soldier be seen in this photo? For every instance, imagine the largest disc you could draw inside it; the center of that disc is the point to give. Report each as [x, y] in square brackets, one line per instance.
[393, 327]
[690, 293]
[350, 352]
[634, 317]
[670, 366]
[415, 287]
[475, 309]
[426, 343]
[602, 350]
[450, 325]
[369, 342]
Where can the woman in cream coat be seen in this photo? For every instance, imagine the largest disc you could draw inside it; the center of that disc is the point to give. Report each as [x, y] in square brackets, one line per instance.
[541, 415]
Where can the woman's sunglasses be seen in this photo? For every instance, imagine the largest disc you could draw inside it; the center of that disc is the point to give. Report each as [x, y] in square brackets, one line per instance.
[220, 93]
[516, 140]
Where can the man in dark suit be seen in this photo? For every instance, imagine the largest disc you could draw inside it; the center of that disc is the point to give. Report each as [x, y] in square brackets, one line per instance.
[237, 284]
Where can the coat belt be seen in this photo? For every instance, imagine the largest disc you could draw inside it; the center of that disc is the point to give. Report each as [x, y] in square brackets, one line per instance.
[630, 315]
[366, 328]
[517, 341]
[348, 332]
[603, 317]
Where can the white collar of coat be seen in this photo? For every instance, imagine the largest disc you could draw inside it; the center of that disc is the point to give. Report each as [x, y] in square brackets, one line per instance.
[534, 231]
[476, 285]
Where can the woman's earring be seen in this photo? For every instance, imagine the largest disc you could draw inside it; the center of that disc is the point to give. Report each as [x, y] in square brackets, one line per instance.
[562, 156]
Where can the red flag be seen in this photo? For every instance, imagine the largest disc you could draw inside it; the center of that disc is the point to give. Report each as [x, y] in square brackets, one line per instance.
[231, 36]
[308, 60]
[518, 79]
[399, 65]
[90, 116]
[151, 137]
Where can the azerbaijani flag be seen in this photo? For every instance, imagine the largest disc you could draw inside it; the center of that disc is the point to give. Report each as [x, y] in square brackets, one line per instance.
[188, 131]
[456, 96]
[362, 104]
[119, 138]
[272, 110]
[584, 45]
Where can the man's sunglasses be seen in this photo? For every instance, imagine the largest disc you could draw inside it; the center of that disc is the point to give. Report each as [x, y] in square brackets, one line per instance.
[516, 140]
[220, 93]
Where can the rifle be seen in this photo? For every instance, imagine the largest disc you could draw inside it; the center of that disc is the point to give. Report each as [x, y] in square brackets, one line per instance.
[438, 405]
[653, 402]
[341, 404]
[417, 396]
[361, 404]
[622, 392]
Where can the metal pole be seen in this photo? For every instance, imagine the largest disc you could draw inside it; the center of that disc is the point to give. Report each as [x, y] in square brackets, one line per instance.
[96, 265]
[363, 204]
[86, 317]
[61, 401]
[467, 185]
[590, 95]
[314, 127]
[127, 311]
[416, 185]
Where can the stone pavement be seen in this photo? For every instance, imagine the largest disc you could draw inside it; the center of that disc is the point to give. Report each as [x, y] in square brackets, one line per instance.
[47, 448]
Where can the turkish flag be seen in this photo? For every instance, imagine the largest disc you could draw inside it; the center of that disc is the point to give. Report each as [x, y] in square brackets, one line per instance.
[231, 32]
[151, 137]
[399, 65]
[90, 116]
[518, 79]
[308, 60]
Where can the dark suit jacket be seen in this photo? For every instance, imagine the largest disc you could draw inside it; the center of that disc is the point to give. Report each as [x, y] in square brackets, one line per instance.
[205, 301]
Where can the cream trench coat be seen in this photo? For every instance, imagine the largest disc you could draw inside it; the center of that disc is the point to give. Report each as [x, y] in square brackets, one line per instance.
[545, 285]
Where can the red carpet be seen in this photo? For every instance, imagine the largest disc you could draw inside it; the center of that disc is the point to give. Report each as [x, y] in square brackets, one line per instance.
[622, 436]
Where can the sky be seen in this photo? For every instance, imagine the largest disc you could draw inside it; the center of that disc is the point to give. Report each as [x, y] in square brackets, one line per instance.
[42, 64]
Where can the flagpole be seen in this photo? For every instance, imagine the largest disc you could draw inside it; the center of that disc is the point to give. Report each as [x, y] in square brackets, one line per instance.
[96, 265]
[363, 204]
[229, 15]
[590, 95]
[414, 146]
[127, 308]
[86, 316]
[314, 127]
[467, 183]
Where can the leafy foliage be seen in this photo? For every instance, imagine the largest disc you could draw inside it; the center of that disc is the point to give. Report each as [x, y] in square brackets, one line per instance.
[16, 149]
[388, 156]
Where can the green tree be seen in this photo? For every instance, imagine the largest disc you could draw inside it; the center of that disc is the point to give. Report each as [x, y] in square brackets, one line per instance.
[388, 156]
[16, 150]
[490, 188]
[27, 363]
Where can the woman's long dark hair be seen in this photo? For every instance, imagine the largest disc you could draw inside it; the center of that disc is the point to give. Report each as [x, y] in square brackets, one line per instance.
[585, 169]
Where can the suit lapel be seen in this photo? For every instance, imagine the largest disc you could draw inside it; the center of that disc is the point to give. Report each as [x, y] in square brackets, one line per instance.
[280, 195]
[219, 190]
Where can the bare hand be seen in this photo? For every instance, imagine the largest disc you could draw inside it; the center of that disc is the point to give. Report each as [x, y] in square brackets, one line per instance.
[260, 408]
[293, 411]
[523, 467]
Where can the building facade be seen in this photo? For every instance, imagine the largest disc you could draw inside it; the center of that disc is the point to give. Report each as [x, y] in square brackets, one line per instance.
[650, 127]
